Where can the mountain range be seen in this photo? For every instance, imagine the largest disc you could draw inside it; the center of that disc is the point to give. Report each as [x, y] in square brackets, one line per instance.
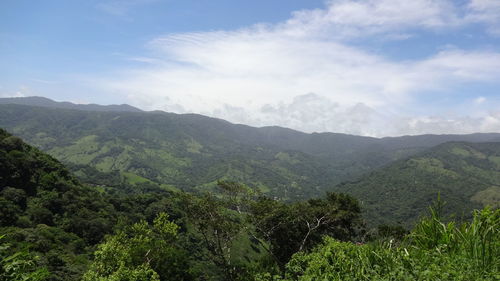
[394, 177]
[45, 102]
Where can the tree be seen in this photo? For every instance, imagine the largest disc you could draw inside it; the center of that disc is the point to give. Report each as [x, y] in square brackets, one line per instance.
[142, 252]
[15, 195]
[9, 212]
[218, 226]
[290, 228]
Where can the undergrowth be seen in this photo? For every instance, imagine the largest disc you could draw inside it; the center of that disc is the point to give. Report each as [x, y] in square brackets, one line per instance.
[434, 250]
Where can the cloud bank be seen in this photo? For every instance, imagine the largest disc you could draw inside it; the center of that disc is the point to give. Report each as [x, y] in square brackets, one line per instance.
[311, 72]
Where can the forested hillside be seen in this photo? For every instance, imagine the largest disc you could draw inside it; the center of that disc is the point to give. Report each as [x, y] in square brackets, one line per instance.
[191, 152]
[46, 210]
[466, 175]
[188, 152]
[52, 227]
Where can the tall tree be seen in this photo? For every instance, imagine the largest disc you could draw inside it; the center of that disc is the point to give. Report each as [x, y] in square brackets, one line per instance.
[218, 226]
[290, 228]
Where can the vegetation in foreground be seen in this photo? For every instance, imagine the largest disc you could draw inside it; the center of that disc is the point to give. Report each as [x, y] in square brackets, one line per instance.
[434, 250]
[54, 228]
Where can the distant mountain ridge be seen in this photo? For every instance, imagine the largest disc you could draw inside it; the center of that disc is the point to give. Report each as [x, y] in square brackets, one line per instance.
[45, 102]
[191, 152]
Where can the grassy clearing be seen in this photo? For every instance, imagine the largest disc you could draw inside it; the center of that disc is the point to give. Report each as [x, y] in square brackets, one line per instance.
[135, 179]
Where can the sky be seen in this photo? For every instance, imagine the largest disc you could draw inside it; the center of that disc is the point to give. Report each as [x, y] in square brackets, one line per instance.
[365, 67]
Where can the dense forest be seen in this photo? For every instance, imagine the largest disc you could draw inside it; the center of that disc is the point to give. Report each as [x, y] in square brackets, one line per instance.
[52, 227]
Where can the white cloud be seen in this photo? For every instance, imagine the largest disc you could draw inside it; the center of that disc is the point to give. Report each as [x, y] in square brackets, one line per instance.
[317, 114]
[480, 100]
[485, 11]
[261, 75]
[348, 18]
[22, 91]
[462, 66]
[145, 60]
[459, 125]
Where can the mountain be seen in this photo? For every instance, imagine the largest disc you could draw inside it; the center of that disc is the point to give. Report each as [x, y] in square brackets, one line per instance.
[45, 102]
[191, 152]
[466, 175]
[177, 151]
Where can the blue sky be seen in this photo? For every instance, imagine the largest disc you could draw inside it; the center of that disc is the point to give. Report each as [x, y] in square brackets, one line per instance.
[369, 67]
[47, 40]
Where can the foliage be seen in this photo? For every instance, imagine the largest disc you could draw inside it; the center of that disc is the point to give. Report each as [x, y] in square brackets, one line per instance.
[433, 251]
[291, 228]
[219, 227]
[142, 252]
[61, 220]
[55, 228]
[20, 266]
[44, 208]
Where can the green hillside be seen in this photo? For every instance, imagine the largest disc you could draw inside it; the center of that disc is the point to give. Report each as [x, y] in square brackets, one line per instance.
[54, 228]
[191, 152]
[467, 175]
[188, 152]
[45, 210]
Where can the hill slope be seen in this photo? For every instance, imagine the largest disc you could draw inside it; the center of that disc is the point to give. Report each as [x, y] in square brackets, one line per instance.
[191, 151]
[44, 208]
[467, 175]
[183, 151]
